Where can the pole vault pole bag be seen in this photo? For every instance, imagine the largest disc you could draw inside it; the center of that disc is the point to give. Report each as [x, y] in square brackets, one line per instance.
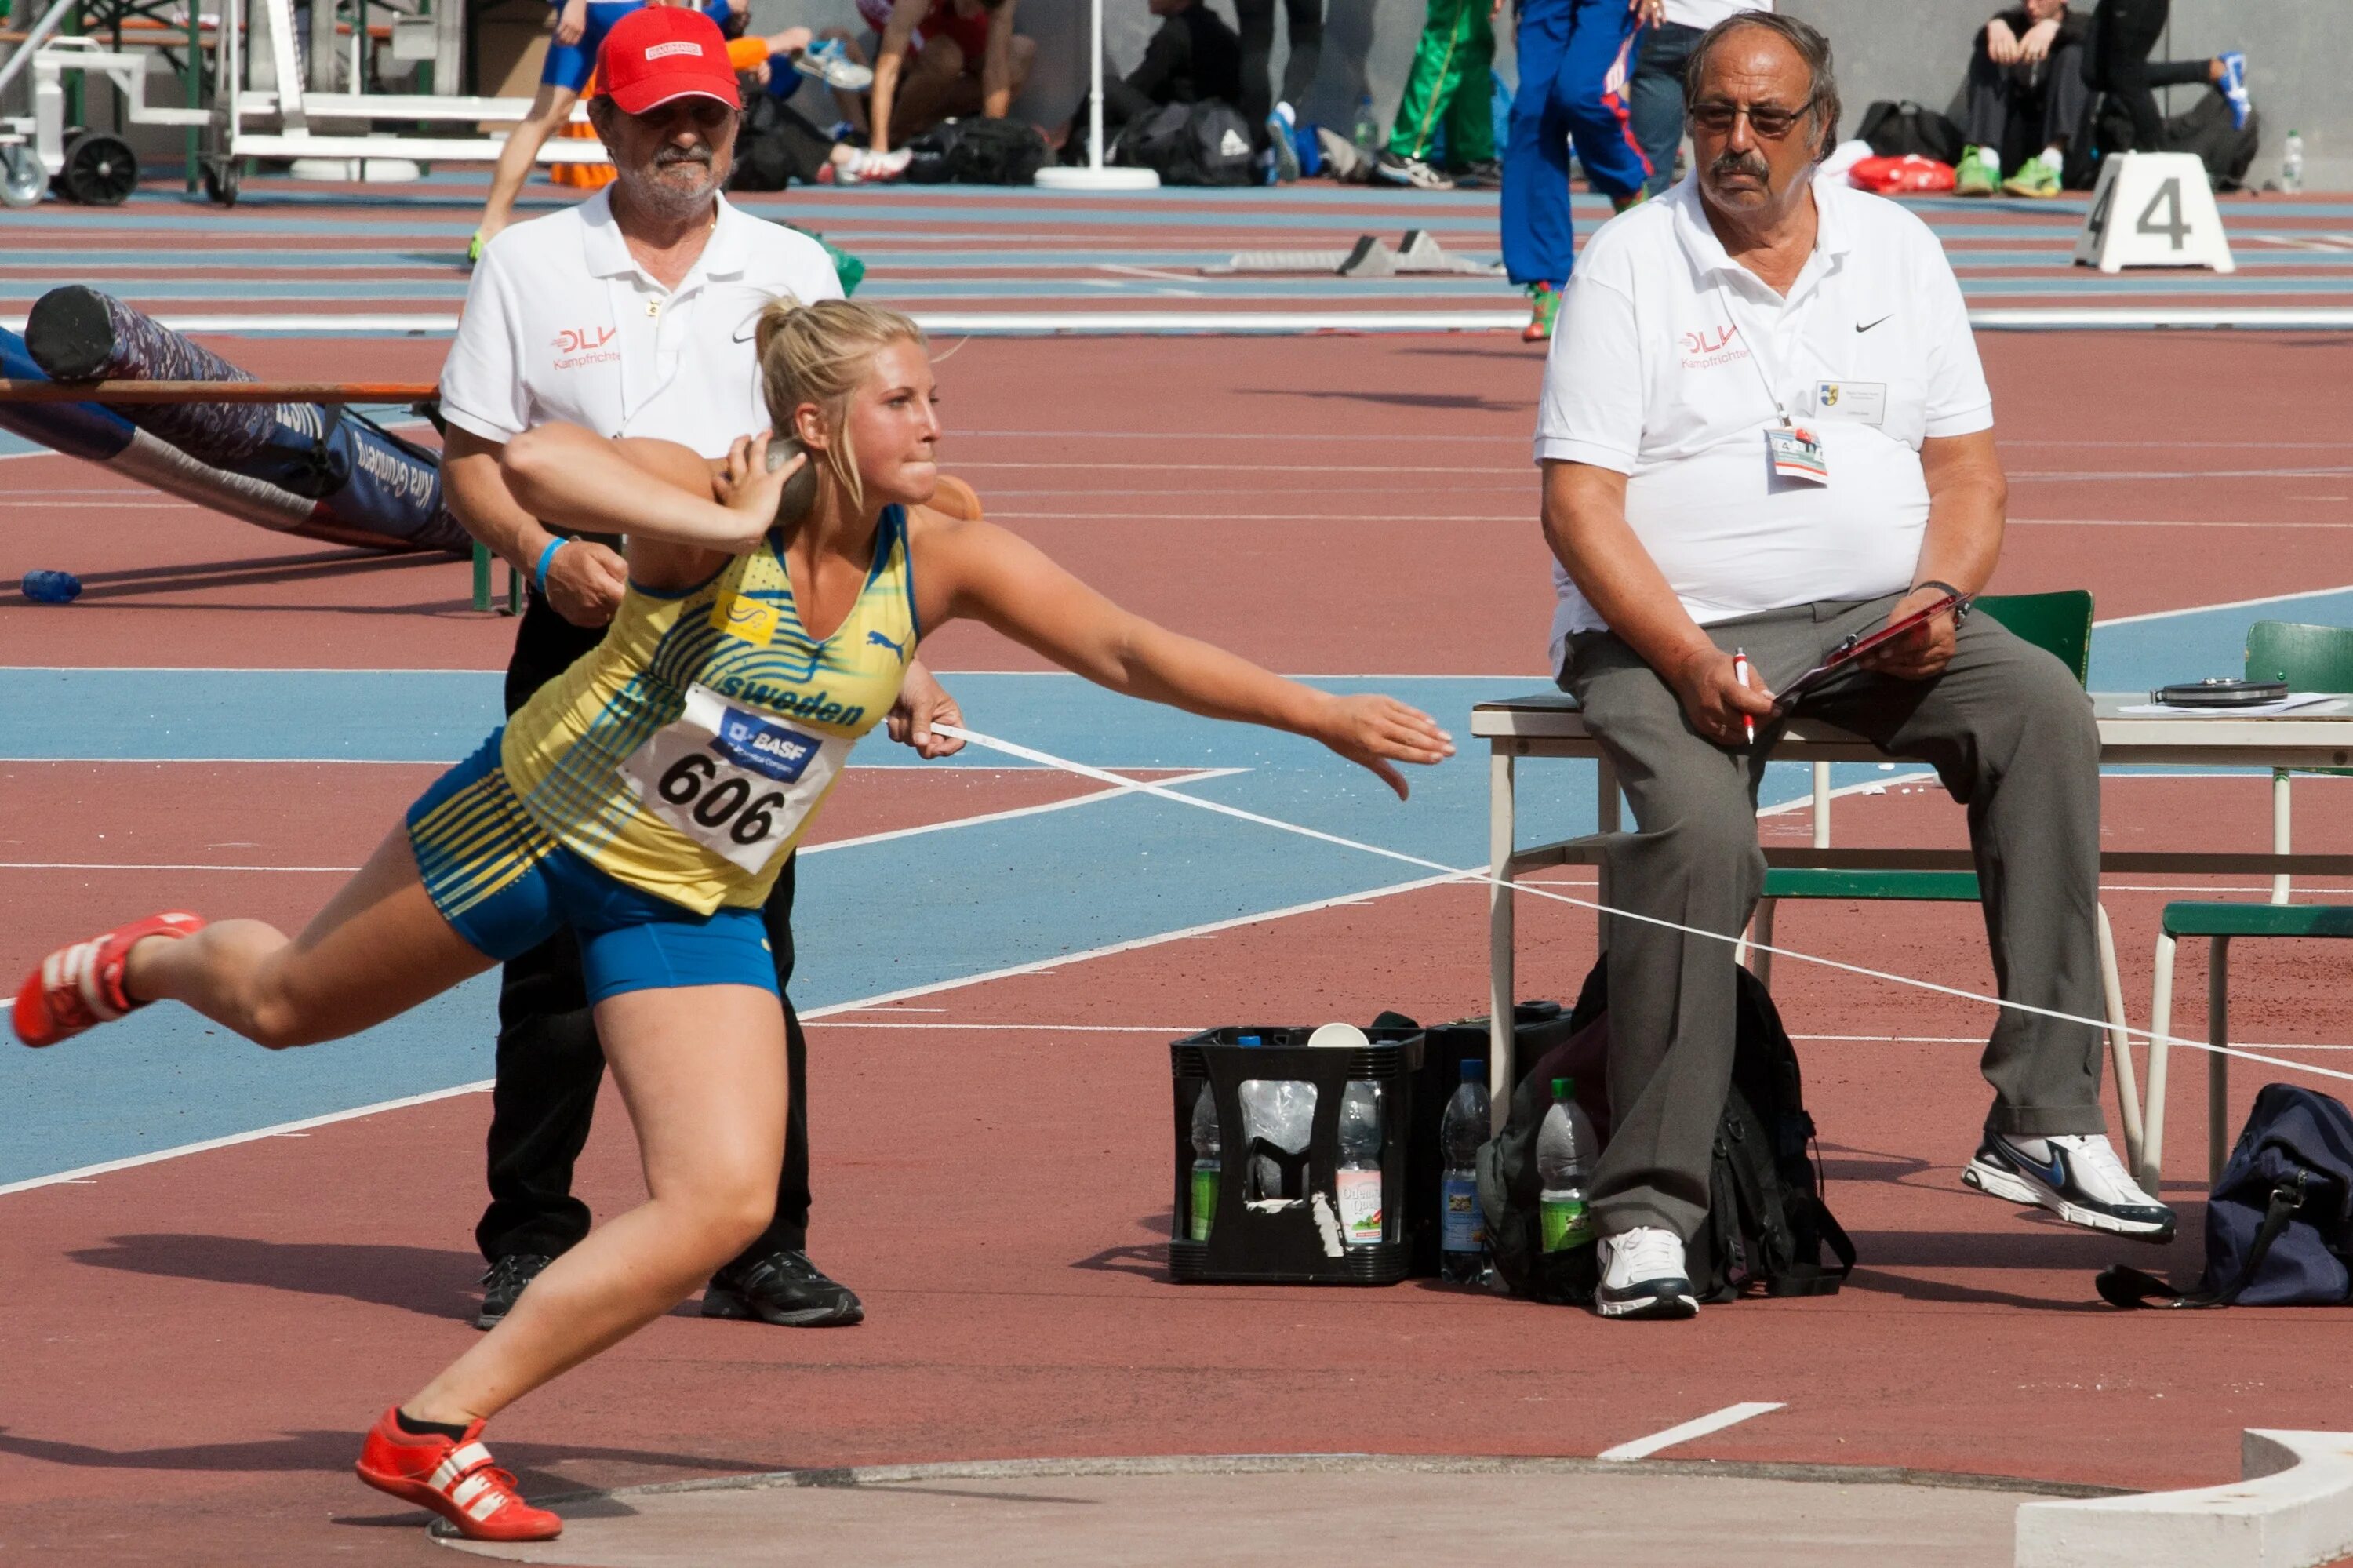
[2279, 1224]
[1766, 1224]
[1895, 129]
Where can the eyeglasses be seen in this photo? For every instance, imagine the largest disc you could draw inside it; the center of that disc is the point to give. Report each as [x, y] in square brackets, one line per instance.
[1716, 118]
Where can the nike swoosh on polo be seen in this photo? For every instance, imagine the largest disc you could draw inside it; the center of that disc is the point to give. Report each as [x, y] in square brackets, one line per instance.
[2055, 1174]
[1861, 328]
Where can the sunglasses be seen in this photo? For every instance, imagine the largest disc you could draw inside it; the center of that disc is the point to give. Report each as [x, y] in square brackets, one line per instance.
[1717, 118]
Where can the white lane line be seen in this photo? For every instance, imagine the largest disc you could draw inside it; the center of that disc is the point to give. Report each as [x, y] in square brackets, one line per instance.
[82, 1174]
[867, 1003]
[2226, 604]
[1643, 1448]
[1087, 800]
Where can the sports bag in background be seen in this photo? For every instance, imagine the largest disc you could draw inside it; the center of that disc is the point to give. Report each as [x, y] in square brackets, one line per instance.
[1895, 129]
[2279, 1224]
[1766, 1224]
[1203, 143]
[977, 152]
[1910, 174]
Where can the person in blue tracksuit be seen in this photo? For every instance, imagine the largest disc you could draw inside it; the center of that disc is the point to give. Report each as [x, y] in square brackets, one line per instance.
[1576, 61]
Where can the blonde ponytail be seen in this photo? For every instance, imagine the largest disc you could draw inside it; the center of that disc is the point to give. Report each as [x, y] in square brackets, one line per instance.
[819, 353]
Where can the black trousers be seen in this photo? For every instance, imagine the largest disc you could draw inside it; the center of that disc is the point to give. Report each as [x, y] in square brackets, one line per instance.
[2117, 63]
[550, 1064]
[2018, 110]
[1256, 24]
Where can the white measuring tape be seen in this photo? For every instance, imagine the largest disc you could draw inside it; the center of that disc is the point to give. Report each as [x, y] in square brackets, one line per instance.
[1030, 753]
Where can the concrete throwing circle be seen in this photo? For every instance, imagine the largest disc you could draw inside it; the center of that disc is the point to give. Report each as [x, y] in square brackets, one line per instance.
[1287, 1512]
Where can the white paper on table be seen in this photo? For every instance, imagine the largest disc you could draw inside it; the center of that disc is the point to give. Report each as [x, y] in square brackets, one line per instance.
[2295, 702]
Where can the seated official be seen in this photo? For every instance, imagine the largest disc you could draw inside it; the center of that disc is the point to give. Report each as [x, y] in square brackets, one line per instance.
[1764, 427]
[1193, 58]
[938, 59]
[2025, 85]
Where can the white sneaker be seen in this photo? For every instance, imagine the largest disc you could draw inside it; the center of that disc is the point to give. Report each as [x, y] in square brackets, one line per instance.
[867, 164]
[2077, 1177]
[1643, 1275]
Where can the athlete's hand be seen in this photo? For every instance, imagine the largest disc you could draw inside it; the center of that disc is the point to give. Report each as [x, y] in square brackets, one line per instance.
[922, 702]
[747, 484]
[1921, 653]
[1715, 700]
[1368, 730]
[585, 581]
[2036, 45]
[572, 22]
[2001, 44]
[1651, 13]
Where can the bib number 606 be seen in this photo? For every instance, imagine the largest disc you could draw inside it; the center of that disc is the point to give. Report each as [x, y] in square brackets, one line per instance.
[688, 783]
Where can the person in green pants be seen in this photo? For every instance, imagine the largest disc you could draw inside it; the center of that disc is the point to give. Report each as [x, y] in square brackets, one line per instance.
[1453, 66]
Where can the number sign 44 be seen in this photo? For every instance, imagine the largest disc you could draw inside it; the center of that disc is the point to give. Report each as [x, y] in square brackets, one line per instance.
[2153, 209]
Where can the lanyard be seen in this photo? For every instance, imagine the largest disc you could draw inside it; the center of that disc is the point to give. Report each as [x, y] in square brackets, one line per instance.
[1756, 355]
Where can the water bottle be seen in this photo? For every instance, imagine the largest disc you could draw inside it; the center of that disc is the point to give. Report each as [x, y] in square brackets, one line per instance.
[1462, 1233]
[1367, 134]
[51, 587]
[1208, 1165]
[1565, 1149]
[2292, 163]
[1361, 1222]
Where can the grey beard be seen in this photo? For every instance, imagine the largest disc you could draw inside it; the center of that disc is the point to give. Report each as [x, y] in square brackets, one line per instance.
[664, 199]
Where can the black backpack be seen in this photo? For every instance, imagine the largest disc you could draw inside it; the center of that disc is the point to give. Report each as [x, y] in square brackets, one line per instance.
[1203, 143]
[1766, 1224]
[2279, 1225]
[1895, 129]
[2228, 152]
[774, 145]
[977, 152]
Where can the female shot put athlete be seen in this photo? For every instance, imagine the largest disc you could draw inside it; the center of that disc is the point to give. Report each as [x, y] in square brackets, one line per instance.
[645, 800]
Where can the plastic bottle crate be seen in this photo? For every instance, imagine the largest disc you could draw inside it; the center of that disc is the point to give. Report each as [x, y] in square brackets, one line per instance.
[1299, 1243]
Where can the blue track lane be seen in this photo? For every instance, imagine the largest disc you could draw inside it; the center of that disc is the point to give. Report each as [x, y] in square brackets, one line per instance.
[873, 918]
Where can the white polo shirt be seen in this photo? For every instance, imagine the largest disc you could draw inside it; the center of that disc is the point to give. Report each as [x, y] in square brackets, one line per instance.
[1660, 369]
[561, 324]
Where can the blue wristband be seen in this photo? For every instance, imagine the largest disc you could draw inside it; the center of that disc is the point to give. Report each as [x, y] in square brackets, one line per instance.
[539, 572]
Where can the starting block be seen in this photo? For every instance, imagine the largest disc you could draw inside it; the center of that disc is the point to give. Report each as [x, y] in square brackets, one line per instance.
[1418, 251]
[2153, 209]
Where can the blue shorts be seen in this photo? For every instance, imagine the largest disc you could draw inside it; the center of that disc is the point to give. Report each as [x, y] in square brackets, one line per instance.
[506, 885]
[569, 65]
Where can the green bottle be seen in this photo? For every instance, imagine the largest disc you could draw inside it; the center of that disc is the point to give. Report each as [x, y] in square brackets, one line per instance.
[1565, 1149]
[1208, 1165]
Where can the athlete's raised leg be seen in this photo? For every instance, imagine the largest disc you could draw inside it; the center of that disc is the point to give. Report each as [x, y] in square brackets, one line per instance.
[701, 1069]
[378, 949]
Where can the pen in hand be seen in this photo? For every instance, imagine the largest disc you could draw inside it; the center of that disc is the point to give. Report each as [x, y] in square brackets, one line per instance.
[1740, 674]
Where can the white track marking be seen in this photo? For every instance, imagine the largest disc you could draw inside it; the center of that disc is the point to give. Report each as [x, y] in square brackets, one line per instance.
[865, 1004]
[1730, 1416]
[2226, 604]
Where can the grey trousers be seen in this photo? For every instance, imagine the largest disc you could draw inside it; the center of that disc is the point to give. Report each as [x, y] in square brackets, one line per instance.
[2008, 731]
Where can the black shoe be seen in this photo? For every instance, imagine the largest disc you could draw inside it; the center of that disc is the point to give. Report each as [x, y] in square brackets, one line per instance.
[1484, 176]
[784, 1287]
[504, 1282]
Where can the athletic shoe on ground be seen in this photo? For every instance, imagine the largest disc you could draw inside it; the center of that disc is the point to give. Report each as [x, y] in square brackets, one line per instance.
[504, 1282]
[867, 164]
[1283, 141]
[1486, 174]
[1978, 173]
[1390, 169]
[784, 1287]
[1544, 304]
[453, 1476]
[1642, 1277]
[80, 987]
[2077, 1177]
[2035, 178]
[2233, 87]
[826, 61]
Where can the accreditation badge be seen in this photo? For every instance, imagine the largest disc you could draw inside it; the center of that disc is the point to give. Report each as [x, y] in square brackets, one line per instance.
[1796, 454]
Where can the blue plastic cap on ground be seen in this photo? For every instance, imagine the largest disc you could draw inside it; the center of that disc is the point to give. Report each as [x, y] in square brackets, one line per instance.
[51, 587]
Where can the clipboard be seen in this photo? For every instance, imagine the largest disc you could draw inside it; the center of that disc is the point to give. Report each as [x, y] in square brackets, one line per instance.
[1857, 645]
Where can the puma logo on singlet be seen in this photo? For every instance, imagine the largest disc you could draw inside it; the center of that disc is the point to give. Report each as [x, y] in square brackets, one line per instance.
[877, 639]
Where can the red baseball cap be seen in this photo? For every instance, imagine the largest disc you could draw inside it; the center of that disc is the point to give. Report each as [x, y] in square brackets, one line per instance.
[657, 53]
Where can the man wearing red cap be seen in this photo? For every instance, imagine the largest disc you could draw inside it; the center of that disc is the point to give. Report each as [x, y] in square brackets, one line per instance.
[630, 314]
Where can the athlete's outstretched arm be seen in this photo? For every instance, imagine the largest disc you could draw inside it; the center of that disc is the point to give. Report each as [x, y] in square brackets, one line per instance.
[989, 575]
[647, 490]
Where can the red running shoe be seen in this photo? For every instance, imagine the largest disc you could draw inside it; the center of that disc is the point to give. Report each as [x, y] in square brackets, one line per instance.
[80, 987]
[453, 1476]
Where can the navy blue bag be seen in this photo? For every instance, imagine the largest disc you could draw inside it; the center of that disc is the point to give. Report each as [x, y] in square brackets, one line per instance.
[2279, 1225]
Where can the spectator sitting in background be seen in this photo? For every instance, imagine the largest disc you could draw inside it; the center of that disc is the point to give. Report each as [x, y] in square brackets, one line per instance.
[935, 59]
[2026, 79]
[1193, 58]
[779, 142]
[2116, 61]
